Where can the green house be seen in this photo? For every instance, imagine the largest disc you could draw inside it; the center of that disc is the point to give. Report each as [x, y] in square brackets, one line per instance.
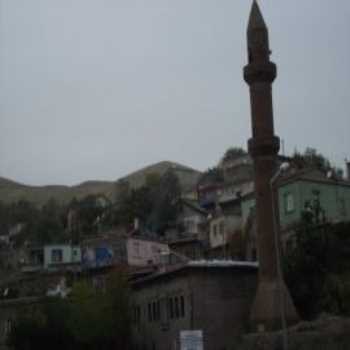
[306, 190]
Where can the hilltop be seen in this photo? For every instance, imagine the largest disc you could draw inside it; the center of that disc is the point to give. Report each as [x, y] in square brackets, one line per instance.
[11, 191]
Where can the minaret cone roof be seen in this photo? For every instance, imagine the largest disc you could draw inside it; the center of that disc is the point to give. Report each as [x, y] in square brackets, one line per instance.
[256, 20]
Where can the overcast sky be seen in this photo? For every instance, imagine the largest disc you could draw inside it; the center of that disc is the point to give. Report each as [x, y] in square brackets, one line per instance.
[95, 89]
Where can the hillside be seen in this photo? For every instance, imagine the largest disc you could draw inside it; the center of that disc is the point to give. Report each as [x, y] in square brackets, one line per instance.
[11, 191]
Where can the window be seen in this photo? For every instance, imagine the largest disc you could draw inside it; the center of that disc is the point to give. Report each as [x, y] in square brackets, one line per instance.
[171, 308]
[214, 229]
[289, 202]
[342, 207]
[182, 306]
[149, 312]
[158, 310]
[177, 309]
[222, 228]
[137, 314]
[7, 327]
[254, 255]
[56, 255]
[137, 248]
[154, 311]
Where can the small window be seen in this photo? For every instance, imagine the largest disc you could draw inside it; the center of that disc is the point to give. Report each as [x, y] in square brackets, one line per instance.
[154, 311]
[289, 203]
[138, 314]
[137, 248]
[56, 255]
[7, 327]
[158, 310]
[254, 255]
[342, 207]
[149, 312]
[171, 308]
[215, 230]
[222, 228]
[177, 309]
[182, 306]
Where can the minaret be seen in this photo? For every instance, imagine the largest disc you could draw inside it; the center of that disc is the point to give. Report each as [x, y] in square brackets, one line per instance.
[268, 310]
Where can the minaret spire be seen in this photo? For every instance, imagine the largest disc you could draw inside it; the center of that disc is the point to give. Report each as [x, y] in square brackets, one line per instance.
[256, 19]
[257, 35]
[272, 298]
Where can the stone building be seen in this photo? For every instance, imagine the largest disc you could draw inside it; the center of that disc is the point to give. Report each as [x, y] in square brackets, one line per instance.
[9, 309]
[212, 296]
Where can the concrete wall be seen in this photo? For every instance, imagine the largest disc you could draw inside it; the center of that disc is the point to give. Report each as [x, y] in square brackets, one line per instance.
[216, 300]
[143, 252]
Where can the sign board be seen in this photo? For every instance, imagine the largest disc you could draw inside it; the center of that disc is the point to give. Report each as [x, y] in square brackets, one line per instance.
[191, 340]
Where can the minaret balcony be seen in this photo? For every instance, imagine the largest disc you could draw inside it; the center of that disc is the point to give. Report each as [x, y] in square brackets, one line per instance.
[260, 72]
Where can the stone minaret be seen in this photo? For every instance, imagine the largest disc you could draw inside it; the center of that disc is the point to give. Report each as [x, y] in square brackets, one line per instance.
[259, 74]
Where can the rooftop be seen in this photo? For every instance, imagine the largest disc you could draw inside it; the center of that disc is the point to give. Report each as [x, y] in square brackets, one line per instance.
[198, 264]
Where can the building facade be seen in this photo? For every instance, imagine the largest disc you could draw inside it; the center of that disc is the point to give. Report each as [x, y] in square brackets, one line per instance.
[59, 255]
[9, 310]
[214, 297]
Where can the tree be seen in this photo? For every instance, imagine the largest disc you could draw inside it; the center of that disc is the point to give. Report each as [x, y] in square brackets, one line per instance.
[311, 158]
[317, 269]
[155, 204]
[166, 203]
[90, 319]
[50, 226]
[233, 153]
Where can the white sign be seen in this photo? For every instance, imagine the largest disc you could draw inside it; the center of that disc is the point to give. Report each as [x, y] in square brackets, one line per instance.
[191, 340]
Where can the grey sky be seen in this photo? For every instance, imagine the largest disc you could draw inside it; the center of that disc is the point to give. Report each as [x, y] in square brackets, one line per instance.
[94, 89]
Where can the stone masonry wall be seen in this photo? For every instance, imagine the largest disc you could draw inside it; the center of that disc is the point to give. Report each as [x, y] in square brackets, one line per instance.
[217, 301]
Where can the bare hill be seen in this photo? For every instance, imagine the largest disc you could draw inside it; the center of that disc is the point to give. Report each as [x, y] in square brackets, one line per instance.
[11, 191]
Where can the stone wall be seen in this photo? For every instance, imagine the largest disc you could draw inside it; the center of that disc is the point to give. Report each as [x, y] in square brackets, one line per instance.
[9, 309]
[327, 333]
[216, 301]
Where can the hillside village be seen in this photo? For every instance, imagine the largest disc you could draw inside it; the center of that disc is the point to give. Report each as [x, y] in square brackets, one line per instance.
[252, 253]
[161, 226]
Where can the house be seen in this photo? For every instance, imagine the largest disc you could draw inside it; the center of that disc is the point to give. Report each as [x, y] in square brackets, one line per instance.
[213, 297]
[142, 251]
[232, 194]
[312, 189]
[114, 249]
[208, 194]
[237, 170]
[58, 256]
[222, 229]
[191, 247]
[301, 191]
[192, 217]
